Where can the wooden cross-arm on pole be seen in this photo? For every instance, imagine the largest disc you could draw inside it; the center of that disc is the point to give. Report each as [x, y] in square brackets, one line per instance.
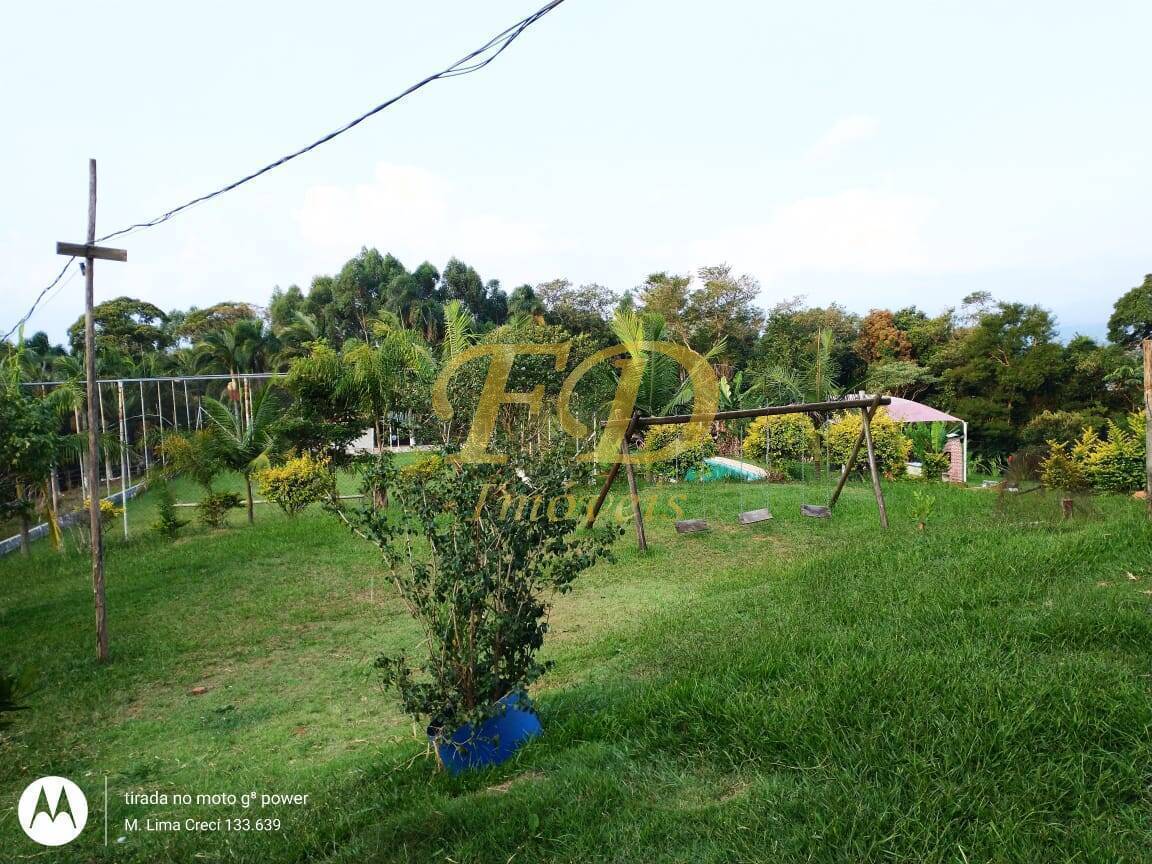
[89, 250]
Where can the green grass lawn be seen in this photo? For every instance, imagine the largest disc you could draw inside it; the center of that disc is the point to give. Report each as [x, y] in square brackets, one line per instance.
[800, 690]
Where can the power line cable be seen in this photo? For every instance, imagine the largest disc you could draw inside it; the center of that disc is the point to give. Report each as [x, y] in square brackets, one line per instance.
[460, 67]
[36, 302]
[464, 66]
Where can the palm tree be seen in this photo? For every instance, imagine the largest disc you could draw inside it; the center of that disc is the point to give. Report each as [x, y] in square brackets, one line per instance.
[459, 330]
[242, 347]
[814, 379]
[664, 385]
[244, 447]
[295, 337]
[381, 373]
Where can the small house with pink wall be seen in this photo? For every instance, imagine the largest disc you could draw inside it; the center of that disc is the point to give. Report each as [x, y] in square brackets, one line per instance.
[907, 411]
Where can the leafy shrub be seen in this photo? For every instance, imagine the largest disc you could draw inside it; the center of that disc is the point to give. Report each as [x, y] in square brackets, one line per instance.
[424, 467]
[923, 505]
[167, 524]
[933, 465]
[109, 512]
[780, 438]
[686, 453]
[300, 481]
[476, 552]
[213, 508]
[1116, 464]
[892, 446]
[1111, 464]
[1061, 471]
[192, 455]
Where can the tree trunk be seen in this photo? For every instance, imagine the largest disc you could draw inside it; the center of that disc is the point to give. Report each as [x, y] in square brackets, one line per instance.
[248, 486]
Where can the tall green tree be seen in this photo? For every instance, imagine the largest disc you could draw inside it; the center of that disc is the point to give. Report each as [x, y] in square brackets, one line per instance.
[724, 307]
[125, 325]
[1003, 371]
[245, 346]
[666, 295]
[523, 301]
[1131, 320]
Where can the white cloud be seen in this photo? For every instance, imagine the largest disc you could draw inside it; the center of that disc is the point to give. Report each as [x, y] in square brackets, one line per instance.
[856, 231]
[845, 131]
[415, 213]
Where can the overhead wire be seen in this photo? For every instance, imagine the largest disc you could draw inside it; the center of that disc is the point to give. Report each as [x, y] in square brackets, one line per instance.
[464, 66]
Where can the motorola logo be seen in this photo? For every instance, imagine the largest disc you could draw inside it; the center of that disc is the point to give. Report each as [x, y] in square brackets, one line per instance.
[52, 811]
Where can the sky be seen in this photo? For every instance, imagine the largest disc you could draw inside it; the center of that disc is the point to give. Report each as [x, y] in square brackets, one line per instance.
[873, 155]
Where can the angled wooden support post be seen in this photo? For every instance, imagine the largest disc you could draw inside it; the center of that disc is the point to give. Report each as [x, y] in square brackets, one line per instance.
[851, 463]
[866, 420]
[610, 479]
[637, 510]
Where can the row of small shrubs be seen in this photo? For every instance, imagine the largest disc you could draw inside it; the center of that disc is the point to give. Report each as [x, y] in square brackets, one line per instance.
[1114, 463]
[792, 437]
[292, 485]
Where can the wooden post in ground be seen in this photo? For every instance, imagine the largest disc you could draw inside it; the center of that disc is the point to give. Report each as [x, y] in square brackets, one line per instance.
[125, 468]
[89, 251]
[1148, 426]
[851, 463]
[107, 473]
[637, 510]
[144, 428]
[866, 419]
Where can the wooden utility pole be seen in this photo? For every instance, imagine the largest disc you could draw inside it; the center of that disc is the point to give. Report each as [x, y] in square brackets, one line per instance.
[89, 251]
[1148, 425]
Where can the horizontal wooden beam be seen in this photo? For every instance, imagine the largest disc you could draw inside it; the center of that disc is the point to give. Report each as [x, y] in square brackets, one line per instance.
[81, 250]
[767, 411]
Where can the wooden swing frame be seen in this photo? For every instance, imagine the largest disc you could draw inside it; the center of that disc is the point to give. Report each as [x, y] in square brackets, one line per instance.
[866, 405]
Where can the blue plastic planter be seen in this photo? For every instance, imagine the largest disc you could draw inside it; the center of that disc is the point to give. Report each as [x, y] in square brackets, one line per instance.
[493, 742]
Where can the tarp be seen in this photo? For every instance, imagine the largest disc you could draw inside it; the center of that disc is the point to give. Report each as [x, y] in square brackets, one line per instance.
[907, 411]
